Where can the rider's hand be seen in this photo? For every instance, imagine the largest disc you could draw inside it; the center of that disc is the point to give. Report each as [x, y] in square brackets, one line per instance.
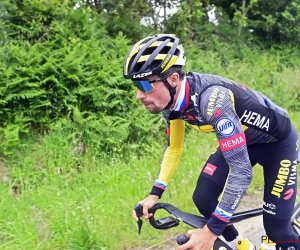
[200, 239]
[147, 203]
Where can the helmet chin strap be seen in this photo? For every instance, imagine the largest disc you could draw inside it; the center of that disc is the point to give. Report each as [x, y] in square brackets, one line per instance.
[172, 93]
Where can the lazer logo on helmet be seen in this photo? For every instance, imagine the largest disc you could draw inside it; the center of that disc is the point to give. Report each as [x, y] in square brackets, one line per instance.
[225, 126]
[142, 75]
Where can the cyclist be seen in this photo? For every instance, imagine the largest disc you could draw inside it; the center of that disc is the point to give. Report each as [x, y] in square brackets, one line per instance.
[249, 127]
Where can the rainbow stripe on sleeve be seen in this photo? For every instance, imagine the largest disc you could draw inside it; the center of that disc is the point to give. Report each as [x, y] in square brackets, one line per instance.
[222, 215]
[160, 184]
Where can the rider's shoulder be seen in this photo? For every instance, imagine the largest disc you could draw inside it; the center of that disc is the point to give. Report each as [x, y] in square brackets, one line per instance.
[205, 79]
[197, 75]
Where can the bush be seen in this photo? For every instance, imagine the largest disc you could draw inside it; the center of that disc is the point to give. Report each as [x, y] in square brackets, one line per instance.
[72, 78]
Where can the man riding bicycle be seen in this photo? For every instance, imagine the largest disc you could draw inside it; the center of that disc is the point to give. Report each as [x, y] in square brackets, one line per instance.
[250, 129]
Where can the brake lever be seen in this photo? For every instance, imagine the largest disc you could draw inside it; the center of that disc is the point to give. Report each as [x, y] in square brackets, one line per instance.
[139, 212]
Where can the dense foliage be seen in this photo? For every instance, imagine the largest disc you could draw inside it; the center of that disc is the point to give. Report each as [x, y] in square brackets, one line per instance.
[61, 61]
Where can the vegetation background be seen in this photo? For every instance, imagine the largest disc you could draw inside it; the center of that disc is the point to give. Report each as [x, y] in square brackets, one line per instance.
[77, 150]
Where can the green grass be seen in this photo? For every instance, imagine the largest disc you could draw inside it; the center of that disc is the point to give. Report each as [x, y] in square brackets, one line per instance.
[64, 199]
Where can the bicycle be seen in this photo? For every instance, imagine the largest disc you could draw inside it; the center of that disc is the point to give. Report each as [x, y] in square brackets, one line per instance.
[198, 221]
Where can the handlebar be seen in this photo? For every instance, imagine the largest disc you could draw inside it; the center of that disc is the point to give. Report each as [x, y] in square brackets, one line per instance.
[192, 220]
[166, 222]
[182, 239]
[178, 216]
[171, 221]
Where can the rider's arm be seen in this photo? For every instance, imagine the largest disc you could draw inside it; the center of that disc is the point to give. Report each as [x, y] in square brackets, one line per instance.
[218, 108]
[171, 156]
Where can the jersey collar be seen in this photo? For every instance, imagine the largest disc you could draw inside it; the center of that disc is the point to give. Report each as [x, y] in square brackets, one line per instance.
[183, 99]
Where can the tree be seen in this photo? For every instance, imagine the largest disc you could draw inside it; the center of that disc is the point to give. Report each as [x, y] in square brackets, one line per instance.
[188, 20]
[271, 21]
[30, 19]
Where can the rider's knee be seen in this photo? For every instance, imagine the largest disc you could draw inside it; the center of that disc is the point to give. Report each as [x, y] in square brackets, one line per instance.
[204, 202]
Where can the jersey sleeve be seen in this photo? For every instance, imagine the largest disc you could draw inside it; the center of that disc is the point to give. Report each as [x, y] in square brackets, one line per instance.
[171, 155]
[217, 107]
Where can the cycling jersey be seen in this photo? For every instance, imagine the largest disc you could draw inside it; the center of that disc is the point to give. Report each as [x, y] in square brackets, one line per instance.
[237, 115]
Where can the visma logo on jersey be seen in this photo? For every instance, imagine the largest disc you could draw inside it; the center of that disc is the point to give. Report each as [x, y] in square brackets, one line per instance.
[225, 126]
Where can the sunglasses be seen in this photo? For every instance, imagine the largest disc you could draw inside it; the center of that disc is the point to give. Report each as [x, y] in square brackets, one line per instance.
[146, 86]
